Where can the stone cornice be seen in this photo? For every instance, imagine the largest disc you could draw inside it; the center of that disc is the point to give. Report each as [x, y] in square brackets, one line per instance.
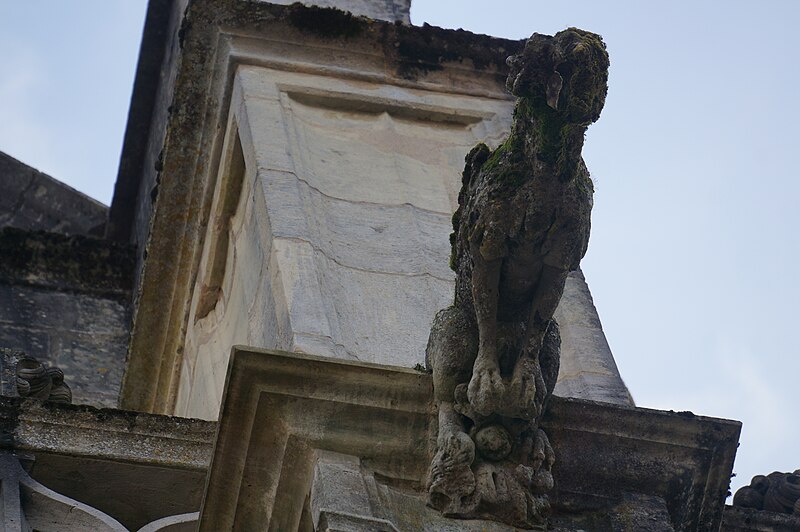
[281, 410]
[29, 425]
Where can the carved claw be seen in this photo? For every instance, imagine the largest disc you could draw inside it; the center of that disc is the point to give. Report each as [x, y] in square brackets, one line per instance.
[451, 481]
[486, 390]
[522, 391]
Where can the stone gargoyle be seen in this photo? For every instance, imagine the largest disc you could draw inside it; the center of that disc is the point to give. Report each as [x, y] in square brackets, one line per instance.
[521, 226]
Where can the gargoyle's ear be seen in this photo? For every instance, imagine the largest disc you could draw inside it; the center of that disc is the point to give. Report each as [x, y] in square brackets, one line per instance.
[554, 84]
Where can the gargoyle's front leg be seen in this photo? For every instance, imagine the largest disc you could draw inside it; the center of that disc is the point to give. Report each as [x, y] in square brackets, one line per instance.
[486, 389]
[543, 305]
[527, 384]
[450, 355]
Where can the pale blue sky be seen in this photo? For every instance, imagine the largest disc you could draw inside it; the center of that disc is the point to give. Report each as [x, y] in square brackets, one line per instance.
[66, 73]
[694, 247]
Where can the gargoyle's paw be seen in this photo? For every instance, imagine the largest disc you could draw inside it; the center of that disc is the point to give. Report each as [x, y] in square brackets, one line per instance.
[538, 509]
[450, 480]
[522, 396]
[457, 447]
[542, 482]
[486, 391]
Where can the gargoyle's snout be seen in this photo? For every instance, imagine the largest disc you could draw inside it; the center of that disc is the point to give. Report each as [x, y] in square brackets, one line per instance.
[532, 79]
[529, 70]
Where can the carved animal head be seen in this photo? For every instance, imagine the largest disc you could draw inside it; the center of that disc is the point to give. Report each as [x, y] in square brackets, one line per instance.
[568, 72]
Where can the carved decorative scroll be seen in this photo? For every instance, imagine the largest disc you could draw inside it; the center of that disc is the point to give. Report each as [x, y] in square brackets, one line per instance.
[776, 492]
[37, 380]
[28, 505]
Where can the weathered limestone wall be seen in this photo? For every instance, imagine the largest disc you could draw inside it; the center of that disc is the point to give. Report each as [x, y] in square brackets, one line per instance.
[63, 300]
[337, 244]
[330, 233]
[33, 200]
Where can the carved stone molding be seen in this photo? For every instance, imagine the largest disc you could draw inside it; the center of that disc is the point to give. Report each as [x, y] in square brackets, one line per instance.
[101, 456]
[284, 413]
[281, 408]
[740, 519]
[25, 376]
[117, 435]
[605, 452]
[769, 503]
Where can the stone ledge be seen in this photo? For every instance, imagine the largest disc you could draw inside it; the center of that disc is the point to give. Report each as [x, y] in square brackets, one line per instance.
[106, 434]
[604, 451]
[738, 519]
[132, 466]
[282, 411]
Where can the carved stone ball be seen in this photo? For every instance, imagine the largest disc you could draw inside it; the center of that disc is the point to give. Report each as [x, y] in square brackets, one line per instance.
[493, 442]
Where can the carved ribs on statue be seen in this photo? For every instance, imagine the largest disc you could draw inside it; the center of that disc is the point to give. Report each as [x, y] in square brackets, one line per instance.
[521, 226]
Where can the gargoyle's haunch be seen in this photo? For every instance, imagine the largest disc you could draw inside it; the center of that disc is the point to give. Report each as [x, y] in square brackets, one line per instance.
[521, 226]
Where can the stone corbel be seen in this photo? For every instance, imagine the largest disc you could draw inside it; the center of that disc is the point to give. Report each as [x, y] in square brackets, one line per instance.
[281, 410]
